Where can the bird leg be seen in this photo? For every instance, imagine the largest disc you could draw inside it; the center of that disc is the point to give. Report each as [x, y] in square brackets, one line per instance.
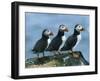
[43, 54]
[59, 52]
[38, 55]
[70, 51]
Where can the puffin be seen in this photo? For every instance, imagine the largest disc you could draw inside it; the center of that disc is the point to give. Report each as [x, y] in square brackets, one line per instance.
[42, 43]
[73, 40]
[58, 39]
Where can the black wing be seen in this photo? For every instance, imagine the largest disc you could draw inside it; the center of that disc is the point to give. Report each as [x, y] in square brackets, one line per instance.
[40, 46]
[70, 43]
[55, 44]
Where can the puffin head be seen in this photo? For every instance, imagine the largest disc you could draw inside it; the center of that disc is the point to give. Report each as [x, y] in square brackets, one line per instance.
[63, 28]
[47, 33]
[79, 28]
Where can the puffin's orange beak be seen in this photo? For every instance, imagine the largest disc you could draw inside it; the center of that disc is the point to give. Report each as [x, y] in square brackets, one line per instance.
[82, 29]
[66, 30]
[51, 33]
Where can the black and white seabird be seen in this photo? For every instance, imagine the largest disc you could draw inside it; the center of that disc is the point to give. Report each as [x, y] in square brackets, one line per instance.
[42, 44]
[74, 39]
[57, 40]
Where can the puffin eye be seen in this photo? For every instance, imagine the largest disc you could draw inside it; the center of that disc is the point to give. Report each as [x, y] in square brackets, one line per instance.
[62, 27]
[48, 31]
[79, 26]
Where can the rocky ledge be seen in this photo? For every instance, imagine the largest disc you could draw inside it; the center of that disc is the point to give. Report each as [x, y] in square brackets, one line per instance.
[65, 58]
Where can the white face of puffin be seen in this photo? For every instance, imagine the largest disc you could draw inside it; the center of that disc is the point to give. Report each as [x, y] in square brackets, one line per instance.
[63, 28]
[48, 33]
[79, 28]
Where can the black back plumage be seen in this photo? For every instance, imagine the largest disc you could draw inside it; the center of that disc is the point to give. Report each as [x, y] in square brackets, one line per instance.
[41, 44]
[71, 40]
[56, 42]
[70, 43]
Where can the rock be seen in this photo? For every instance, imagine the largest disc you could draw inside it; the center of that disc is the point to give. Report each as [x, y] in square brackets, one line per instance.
[65, 58]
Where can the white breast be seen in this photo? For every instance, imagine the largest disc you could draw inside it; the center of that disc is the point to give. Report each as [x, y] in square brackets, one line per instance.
[63, 42]
[78, 40]
[49, 40]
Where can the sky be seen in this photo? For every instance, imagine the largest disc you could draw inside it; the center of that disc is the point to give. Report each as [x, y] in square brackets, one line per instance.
[35, 23]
